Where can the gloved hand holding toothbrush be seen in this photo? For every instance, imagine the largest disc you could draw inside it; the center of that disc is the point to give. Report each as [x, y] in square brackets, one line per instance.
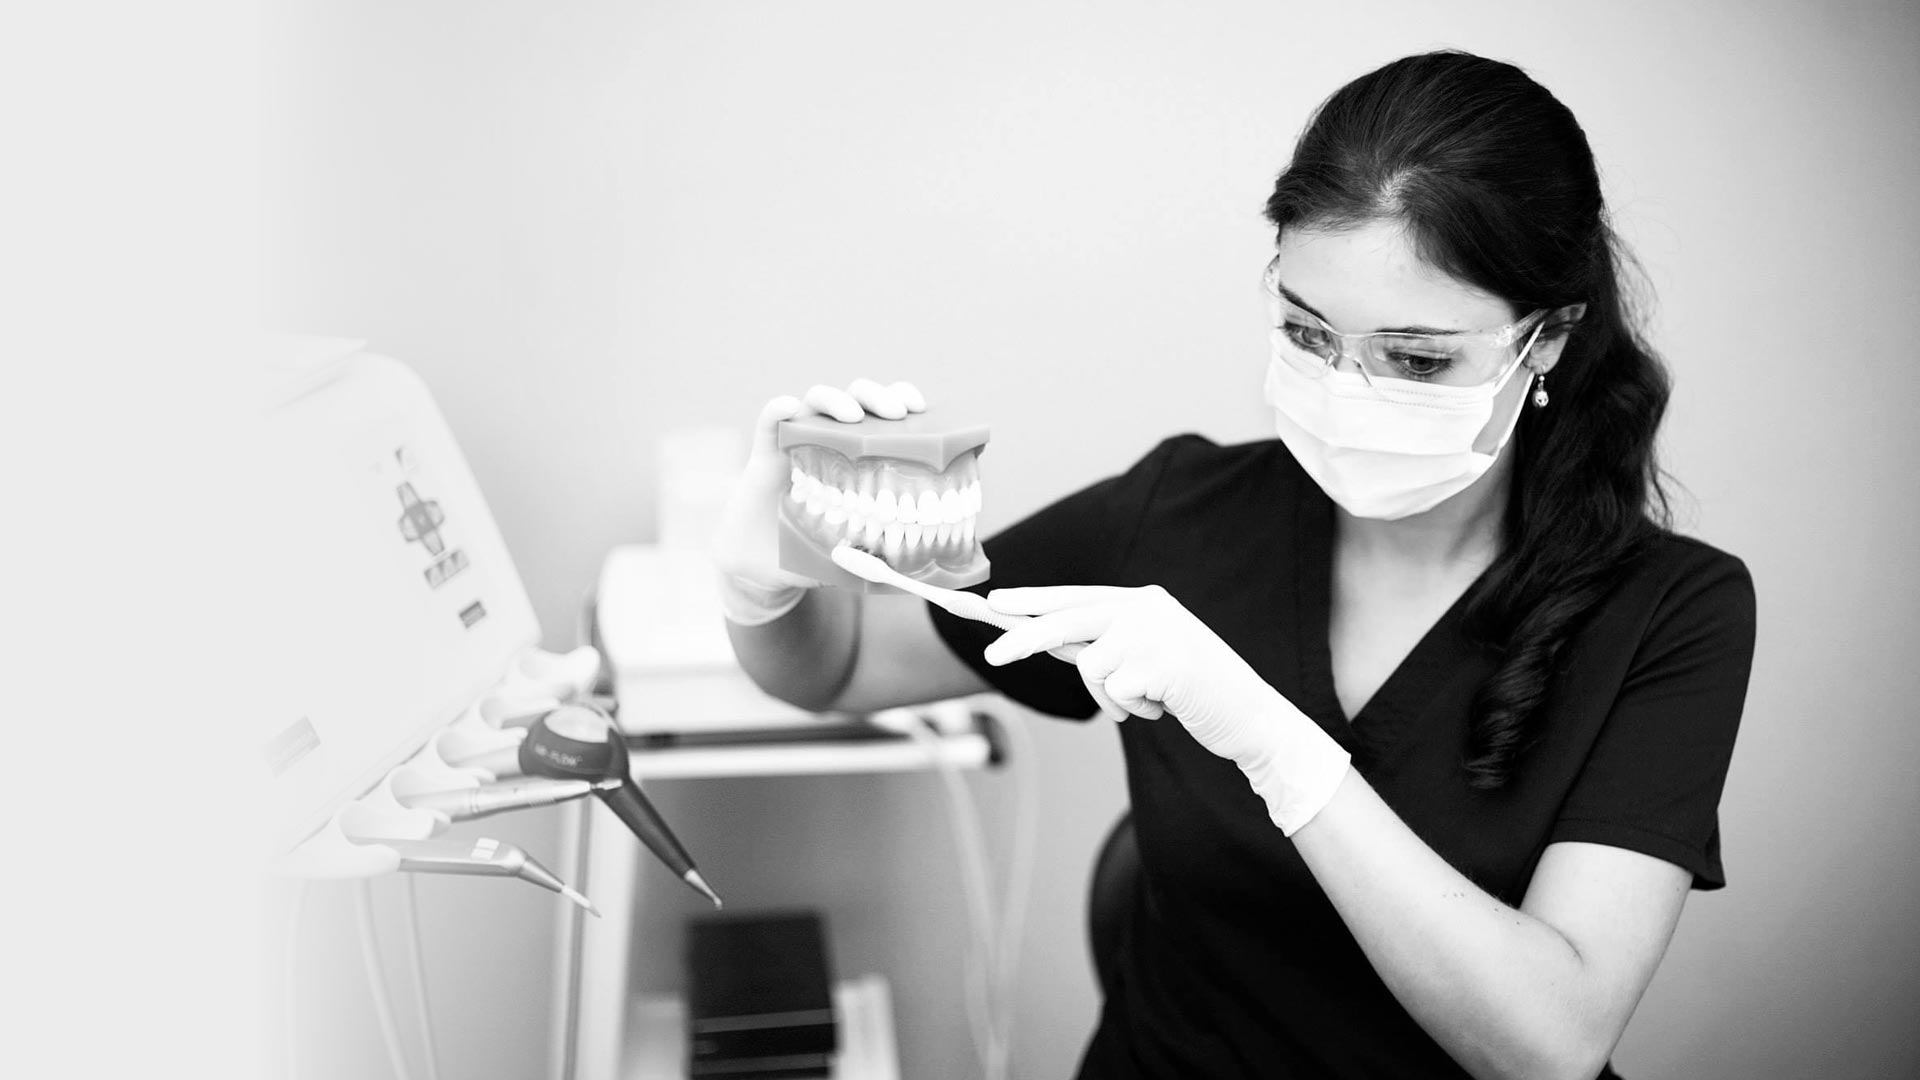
[1148, 656]
[754, 589]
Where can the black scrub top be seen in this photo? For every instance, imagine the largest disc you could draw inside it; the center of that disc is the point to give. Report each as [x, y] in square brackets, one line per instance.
[1240, 966]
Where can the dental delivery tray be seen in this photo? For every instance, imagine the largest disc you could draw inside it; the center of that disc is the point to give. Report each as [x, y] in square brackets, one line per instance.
[395, 606]
[659, 625]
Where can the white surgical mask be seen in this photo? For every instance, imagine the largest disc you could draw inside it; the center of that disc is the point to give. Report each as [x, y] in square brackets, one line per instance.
[1382, 451]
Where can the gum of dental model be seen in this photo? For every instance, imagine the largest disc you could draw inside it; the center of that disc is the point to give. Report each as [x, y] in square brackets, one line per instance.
[847, 485]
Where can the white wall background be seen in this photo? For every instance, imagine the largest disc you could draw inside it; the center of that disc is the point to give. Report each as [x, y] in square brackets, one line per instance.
[587, 223]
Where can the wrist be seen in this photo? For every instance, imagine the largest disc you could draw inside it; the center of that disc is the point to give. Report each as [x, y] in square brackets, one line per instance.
[1297, 768]
[753, 603]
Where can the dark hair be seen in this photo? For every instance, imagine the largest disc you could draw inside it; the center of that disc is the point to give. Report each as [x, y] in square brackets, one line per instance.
[1493, 180]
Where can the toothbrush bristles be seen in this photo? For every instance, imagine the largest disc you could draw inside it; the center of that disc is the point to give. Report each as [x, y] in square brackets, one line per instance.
[855, 563]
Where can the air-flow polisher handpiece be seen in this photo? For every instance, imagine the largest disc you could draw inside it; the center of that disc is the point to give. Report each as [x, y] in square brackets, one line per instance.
[578, 741]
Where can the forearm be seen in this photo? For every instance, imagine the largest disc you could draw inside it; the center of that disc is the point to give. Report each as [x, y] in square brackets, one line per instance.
[1503, 992]
[806, 656]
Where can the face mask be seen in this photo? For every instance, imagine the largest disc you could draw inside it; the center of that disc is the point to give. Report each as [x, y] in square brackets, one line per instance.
[1383, 453]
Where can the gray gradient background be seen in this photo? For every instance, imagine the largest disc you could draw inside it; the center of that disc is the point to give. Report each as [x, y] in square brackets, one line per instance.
[588, 222]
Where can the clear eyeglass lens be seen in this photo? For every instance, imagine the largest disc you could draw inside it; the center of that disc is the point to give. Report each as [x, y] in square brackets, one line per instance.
[1450, 360]
[1446, 361]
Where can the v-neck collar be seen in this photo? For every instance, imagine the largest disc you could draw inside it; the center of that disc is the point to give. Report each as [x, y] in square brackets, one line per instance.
[1400, 699]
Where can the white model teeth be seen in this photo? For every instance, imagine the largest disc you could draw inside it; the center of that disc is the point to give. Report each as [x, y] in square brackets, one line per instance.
[910, 519]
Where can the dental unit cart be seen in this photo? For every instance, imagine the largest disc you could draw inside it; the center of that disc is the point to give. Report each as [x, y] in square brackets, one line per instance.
[409, 677]
[409, 688]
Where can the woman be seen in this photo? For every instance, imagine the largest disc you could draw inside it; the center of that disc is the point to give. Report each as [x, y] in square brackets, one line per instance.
[1434, 712]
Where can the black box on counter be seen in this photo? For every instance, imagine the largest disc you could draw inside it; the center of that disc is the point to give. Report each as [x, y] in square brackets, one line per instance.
[759, 996]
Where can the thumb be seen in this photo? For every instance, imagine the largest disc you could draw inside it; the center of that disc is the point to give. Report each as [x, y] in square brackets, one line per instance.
[766, 428]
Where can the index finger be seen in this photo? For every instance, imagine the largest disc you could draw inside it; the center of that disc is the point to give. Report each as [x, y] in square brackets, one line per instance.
[1046, 633]
[879, 400]
[835, 402]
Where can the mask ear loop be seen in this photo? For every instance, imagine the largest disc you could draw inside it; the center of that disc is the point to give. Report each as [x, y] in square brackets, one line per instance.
[1539, 377]
[1514, 423]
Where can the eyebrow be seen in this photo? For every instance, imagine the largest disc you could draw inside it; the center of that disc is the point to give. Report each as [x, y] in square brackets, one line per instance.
[1294, 299]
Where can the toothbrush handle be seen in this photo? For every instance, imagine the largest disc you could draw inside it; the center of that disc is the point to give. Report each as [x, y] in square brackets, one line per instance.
[966, 605]
[1068, 652]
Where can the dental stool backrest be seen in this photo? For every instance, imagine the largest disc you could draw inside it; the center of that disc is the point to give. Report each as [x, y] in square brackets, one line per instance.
[1110, 900]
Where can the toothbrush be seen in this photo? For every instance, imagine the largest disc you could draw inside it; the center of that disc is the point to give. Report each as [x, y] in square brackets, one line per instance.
[964, 604]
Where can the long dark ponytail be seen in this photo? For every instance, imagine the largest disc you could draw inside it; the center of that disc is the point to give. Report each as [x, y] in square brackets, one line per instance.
[1494, 181]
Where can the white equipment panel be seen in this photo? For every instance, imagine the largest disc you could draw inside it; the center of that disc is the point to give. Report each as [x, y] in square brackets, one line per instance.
[394, 603]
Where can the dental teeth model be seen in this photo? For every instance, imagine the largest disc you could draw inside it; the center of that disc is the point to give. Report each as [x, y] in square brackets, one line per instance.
[906, 490]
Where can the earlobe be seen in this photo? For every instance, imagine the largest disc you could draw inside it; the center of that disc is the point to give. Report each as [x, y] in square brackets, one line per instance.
[1545, 355]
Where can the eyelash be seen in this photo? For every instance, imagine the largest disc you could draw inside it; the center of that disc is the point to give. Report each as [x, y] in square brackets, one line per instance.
[1296, 331]
[1441, 364]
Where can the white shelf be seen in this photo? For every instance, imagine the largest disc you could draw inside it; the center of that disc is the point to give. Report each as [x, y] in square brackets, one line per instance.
[967, 750]
[656, 1034]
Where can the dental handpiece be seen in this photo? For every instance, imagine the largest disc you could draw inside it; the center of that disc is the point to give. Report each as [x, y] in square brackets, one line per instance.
[464, 804]
[578, 741]
[484, 857]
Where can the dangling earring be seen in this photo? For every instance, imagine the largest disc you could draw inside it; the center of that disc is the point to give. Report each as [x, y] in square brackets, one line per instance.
[1540, 391]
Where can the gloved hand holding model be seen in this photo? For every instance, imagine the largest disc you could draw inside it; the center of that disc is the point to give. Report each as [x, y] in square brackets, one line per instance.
[754, 589]
[1148, 656]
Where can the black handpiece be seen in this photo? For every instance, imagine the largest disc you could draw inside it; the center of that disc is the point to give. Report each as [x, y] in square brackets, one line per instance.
[578, 742]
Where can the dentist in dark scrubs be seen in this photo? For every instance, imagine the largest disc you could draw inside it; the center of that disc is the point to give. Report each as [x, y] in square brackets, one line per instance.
[1427, 710]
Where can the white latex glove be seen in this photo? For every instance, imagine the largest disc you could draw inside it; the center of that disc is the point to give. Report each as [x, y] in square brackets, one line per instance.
[1149, 656]
[746, 548]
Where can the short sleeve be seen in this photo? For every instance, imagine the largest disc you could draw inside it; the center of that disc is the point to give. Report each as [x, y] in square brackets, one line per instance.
[1652, 782]
[1083, 539]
